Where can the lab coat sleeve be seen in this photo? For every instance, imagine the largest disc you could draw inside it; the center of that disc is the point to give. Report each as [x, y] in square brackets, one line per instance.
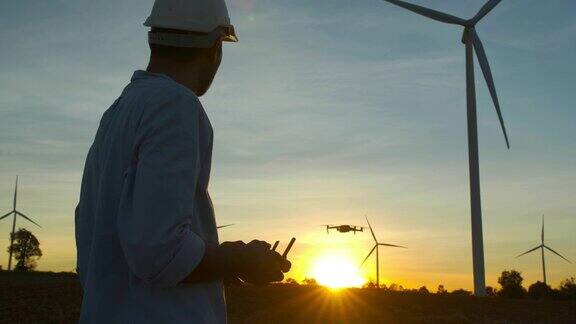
[157, 203]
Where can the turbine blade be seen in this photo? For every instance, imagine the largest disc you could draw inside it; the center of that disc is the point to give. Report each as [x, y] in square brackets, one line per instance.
[369, 254]
[489, 81]
[4, 216]
[433, 14]
[371, 231]
[15, 193]
[22, 215]
[486, 8]
[558, 254]
[222, 226]
[532, 250]
[392, 245]
[542, 229]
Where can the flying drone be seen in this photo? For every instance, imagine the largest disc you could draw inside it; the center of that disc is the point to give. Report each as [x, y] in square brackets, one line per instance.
[344, 228]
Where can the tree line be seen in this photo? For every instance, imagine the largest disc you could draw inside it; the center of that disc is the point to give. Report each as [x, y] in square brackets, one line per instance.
[510, 282]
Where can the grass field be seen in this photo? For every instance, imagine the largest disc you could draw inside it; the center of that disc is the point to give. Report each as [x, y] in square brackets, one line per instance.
[51, 298]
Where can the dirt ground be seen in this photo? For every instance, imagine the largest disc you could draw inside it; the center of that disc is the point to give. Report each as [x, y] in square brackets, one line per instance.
[45, 298]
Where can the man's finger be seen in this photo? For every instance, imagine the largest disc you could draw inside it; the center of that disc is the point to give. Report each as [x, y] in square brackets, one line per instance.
[260, 244]
[233, 244]
[285, 265]
[276, 256]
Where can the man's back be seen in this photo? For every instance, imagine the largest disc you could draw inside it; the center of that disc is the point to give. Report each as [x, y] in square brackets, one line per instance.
[144, 211]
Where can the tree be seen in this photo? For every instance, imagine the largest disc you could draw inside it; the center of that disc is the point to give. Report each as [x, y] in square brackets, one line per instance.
[441, 290]
[310, 282]
[539, 290]
[26, 249]
[568, 288]
[291, 281]
[370, 284]
[423, 290]
[511, 282]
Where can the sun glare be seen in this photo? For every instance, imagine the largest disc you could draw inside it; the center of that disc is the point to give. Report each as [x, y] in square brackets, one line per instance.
[336, 271]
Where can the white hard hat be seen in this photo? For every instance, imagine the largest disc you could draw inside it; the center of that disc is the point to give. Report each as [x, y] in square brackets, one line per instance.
[207, 17]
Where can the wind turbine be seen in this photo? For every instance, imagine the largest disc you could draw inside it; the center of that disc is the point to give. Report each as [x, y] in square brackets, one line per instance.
[543, 246]
[472, 41]
[375, 248]
[15, 213]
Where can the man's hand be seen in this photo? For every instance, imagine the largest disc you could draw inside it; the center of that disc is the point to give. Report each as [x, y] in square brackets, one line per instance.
[253, 262]
[260, 265]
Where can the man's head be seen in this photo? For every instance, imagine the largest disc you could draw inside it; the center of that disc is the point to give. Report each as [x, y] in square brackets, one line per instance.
[186, 40]
[196, 66]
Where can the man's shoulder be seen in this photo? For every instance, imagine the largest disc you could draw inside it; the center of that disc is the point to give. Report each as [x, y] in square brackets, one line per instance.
[159, 91]
[163, 96]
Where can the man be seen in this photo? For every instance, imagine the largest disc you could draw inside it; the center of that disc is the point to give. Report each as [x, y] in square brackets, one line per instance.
[146, 237]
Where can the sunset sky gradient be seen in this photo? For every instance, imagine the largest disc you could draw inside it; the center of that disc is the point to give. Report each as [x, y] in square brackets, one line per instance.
[323, 112]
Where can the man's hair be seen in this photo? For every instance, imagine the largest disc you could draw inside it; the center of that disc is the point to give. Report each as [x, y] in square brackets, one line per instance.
[176, 53]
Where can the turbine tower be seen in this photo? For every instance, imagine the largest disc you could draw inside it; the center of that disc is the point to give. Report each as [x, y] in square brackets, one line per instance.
[15, 213]
[376, 245]
[543, 246]
[472, 41]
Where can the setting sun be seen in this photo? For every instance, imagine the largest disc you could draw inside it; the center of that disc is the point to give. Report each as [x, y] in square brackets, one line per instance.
[336, 271]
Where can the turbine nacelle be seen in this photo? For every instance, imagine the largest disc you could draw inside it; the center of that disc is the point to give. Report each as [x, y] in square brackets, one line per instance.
[469, 36]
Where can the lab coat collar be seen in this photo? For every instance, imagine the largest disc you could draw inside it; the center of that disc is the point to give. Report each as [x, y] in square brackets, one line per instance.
[141, 74]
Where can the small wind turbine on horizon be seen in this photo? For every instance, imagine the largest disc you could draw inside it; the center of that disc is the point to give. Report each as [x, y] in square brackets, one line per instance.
[375, 248]
[543, 246]
[472, 41]
[15, 213]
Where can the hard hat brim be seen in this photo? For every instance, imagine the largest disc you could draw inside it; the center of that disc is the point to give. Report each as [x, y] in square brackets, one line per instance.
[228, 34]
[192, 40]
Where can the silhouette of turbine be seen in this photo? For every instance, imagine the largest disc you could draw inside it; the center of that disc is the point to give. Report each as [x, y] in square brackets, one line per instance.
[375, 248]
[543, 246]
[472, 41]
[15, 213]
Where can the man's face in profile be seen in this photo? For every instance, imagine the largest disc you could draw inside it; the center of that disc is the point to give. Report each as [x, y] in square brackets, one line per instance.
[211, 63]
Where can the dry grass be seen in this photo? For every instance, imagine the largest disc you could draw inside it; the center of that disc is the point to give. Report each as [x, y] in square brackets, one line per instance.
[43, 298]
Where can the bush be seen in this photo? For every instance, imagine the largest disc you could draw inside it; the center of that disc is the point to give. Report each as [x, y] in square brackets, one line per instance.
[310, 282]
[567, 288]
[461, 292]
[491, 291]
[423, 290]
[370, 284]
[540, 290]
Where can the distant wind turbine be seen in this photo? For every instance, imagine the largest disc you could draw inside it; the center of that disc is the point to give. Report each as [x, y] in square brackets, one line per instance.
[375, 248]
[543, 246]
[472, 41]
[15, 213]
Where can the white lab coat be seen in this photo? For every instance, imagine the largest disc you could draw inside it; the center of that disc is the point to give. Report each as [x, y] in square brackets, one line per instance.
[144, 213]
